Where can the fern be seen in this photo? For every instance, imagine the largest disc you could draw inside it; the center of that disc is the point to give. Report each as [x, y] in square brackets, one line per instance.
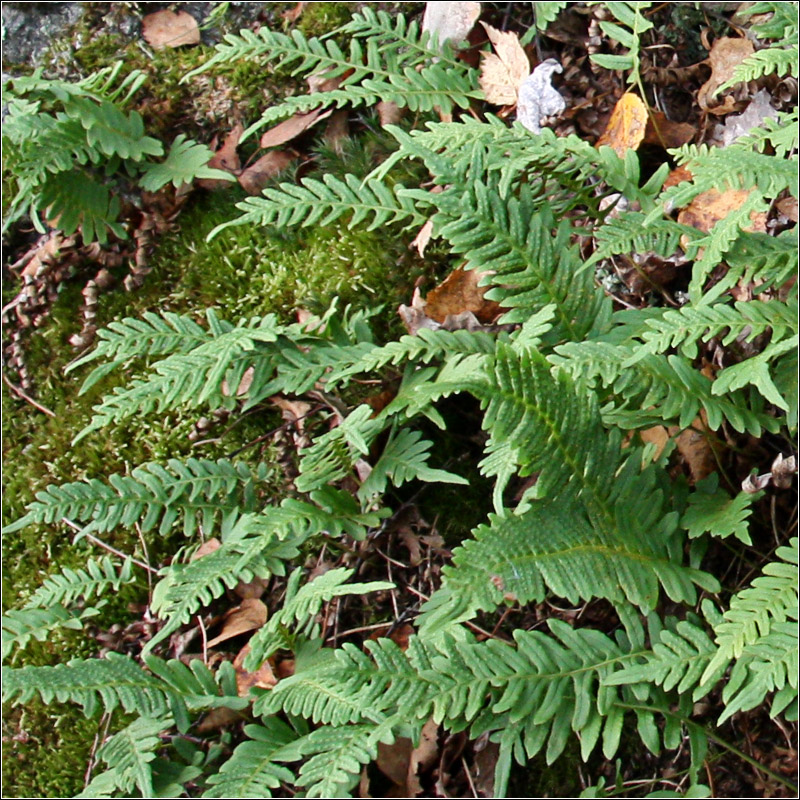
[251, 770]
[20, 626]
[129, 754]
[633, 23]
[713, 511]
[64, 588]
[197, 491]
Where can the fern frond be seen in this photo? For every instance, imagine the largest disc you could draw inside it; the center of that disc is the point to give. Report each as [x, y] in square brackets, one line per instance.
[67, 586]
[404, 458]
[771, 599]
[19, 626]
[679, 658]
[195, 377]
[780, 60]
[197, 491]
[76, 200]
[316, 202]
[683, 328]
[551, 548]
[301, 607]
[768, 665]
[187, 587]
[108, 682]
[130, 752]
[714, 511]
[185, 161]
[251, 770]
[659, 388]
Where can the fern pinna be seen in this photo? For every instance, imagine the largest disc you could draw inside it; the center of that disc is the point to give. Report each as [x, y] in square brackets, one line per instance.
[568, 387]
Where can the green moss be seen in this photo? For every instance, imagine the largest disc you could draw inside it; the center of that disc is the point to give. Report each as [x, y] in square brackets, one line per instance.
[45, 750]
[318, 19]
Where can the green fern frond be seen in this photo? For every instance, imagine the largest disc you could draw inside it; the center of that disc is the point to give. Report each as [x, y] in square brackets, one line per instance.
[552, 548]
[680, 656]
[195, 377]
[187, 587]
[780, 60]
[76, 200]
[683, 328]
[197, 491]
[67, 586]
[108, 682]
[316, 202]
[251, 770]
[19, 626]
[659, 388]
[301, 607]
[714, 511]
[129, 754]
[185, 161]
[768, 665]
[404, 458]
[770, 599]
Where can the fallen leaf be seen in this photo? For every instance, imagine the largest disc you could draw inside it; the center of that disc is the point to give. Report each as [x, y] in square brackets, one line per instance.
[209, 546]
[658, 436]
[788, 207]
[738, 125]
[538, 98]
[225, 158]
[166, 28]
[665, 133]
[262, 678]
[782, 471]
[293, 14]
[423, 237]
[259, 174]
[697, 453]
[290, 128]
[218, 718]
[423, 757]
[414, 316]
[626, 127]
[726, 54]
[485, 760]
[251, 589]
[389, 113]
[503, 71]
[248, 616]
[459, 292]
[393, 760]
[337, 130]
[678, 175]
[708, 208]
[450, 21]
[412, 543]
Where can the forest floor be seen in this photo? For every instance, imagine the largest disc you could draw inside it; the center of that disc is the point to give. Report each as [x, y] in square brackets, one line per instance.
[246, 272]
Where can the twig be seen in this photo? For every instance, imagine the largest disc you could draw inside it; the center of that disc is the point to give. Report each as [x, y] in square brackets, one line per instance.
[204, 636]
[27, 398]
[147, 559]
[362, 629]
[101, 543]
[105, 721]
[469, 777]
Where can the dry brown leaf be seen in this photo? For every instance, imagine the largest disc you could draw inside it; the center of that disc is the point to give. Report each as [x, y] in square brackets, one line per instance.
[293, 14]
[254, 588]
[788, 207]
[626, 127]
[697, 453]
[423, 237]
[423, 757]
[290, 128]
[726, 54]
[708, 208]
[450, 21]
[262, 678]
[167, 28]
[389, 113]
[226, 158]
[678, 175]
[260, 173]
[503, 71]
[657, 435]
[209, 546]
[459, 292]
[412, 544]
[337, 130]
[666, 133]
[248, 616]
[393, 760]
[218, 718]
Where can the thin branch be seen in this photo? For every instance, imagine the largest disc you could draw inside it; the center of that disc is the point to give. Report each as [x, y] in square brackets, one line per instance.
[27, 398]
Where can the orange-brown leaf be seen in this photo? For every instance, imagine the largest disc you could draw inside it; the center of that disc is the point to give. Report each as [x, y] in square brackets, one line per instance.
[248, 616]
[262, 678]
[290, 128]
[626, 126]
[259, 174]
[167, 28]
[460, 292]
[726, 54]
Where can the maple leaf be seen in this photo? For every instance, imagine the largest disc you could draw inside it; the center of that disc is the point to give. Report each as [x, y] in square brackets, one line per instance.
[503, 71]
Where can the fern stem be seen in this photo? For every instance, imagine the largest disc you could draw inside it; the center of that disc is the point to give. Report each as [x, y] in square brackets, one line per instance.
[716, 739]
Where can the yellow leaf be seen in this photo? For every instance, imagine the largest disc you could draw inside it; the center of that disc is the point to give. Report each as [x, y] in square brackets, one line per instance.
[626, 126]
